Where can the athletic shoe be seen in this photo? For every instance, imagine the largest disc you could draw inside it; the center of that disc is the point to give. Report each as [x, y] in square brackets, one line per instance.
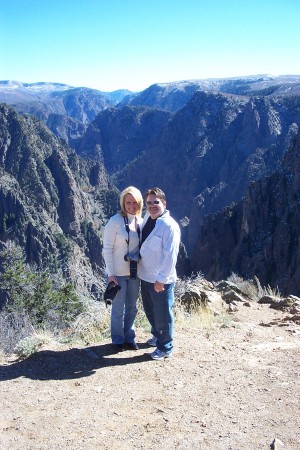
[152, 341]
[158, 355]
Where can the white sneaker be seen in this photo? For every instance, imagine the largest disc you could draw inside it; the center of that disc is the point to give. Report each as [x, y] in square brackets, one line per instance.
[152, 341]
[158, 355]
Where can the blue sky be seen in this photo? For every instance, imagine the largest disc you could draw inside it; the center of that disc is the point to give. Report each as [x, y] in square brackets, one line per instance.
[116, 44]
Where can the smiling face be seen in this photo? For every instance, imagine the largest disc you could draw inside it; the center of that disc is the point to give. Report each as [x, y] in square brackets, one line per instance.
[155, 206]
[130, 204]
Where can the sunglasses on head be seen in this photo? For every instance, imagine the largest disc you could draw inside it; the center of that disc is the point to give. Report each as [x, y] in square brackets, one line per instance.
[155, 202]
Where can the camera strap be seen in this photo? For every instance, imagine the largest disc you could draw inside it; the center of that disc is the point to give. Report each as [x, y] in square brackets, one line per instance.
[126, 222]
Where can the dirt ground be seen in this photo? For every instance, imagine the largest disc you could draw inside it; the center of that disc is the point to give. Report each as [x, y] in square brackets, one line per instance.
[229, 388]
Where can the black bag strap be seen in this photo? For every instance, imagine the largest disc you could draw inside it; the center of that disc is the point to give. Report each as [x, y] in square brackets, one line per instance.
[138, 230]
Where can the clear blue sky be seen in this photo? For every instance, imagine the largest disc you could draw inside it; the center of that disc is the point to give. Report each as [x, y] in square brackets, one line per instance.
[116, 44]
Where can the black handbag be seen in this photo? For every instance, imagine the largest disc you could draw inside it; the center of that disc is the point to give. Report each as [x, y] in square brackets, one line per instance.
[110, 292]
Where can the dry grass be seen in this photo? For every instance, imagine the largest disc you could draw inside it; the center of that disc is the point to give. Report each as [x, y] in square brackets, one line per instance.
[253, 288]
[198, 316]
[93, 325]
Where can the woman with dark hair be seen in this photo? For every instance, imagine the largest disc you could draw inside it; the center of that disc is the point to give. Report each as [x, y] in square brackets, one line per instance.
[121, 253]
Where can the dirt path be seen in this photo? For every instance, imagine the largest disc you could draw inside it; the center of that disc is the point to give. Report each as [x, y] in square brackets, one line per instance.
[229, 388]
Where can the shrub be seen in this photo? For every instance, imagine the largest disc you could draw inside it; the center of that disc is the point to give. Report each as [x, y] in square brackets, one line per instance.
[34, 294]
[248, 287]
[34, 300]
[13, 328]
[30, 344]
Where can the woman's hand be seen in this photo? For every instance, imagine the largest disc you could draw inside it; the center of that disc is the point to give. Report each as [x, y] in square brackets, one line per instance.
[113, 279]
[158, 287]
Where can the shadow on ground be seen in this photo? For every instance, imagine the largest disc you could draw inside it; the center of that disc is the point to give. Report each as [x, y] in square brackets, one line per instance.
[71, 364]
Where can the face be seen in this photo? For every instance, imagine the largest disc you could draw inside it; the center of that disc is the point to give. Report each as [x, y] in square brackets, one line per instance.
[130, 204]
[155, 206]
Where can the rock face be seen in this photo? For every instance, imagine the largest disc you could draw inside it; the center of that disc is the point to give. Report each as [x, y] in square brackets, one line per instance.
[46, 198]
[210, 150]
[260, 235]
[167, 96]
[119, 136]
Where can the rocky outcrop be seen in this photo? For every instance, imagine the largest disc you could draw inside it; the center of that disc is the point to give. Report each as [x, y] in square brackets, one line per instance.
[48, 205]
[260, 235]
[197, 293]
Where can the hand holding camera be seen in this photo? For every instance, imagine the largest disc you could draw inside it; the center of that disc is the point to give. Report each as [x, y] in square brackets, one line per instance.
[110, 292]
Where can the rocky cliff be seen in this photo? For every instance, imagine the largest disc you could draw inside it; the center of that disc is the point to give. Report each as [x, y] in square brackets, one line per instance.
[50, 199]
[118, 136]
[210, 150]
[260, 235]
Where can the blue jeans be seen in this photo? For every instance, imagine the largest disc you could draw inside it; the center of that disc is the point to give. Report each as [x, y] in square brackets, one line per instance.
[124, 310]
[158, 308]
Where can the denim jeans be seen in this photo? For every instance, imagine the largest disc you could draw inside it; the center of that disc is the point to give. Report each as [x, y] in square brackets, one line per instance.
[124, 310]
[158, 308]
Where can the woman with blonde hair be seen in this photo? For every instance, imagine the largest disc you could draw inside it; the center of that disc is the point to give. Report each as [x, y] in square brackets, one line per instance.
[121, 246]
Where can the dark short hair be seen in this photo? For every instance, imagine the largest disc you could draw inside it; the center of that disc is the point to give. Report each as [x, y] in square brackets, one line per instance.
[157, 192]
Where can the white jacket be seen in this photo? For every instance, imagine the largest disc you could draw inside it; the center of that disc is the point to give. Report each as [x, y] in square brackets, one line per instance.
[159, 251]
[115, 246]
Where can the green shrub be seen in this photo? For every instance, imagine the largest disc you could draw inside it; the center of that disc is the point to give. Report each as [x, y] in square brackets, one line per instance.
[35, 303]
[34, 294]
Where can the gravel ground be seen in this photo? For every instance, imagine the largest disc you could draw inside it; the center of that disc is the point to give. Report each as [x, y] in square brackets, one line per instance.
[228, 388]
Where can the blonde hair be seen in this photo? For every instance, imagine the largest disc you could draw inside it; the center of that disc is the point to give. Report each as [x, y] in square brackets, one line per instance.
[136, 195]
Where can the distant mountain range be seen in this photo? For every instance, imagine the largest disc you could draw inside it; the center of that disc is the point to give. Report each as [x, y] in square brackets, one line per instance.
[16, 92]
[173, 96]
[66, 110]
[205, 142]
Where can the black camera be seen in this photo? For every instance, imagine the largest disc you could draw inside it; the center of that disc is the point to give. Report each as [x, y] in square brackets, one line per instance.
[133, 260]
[110, 292]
